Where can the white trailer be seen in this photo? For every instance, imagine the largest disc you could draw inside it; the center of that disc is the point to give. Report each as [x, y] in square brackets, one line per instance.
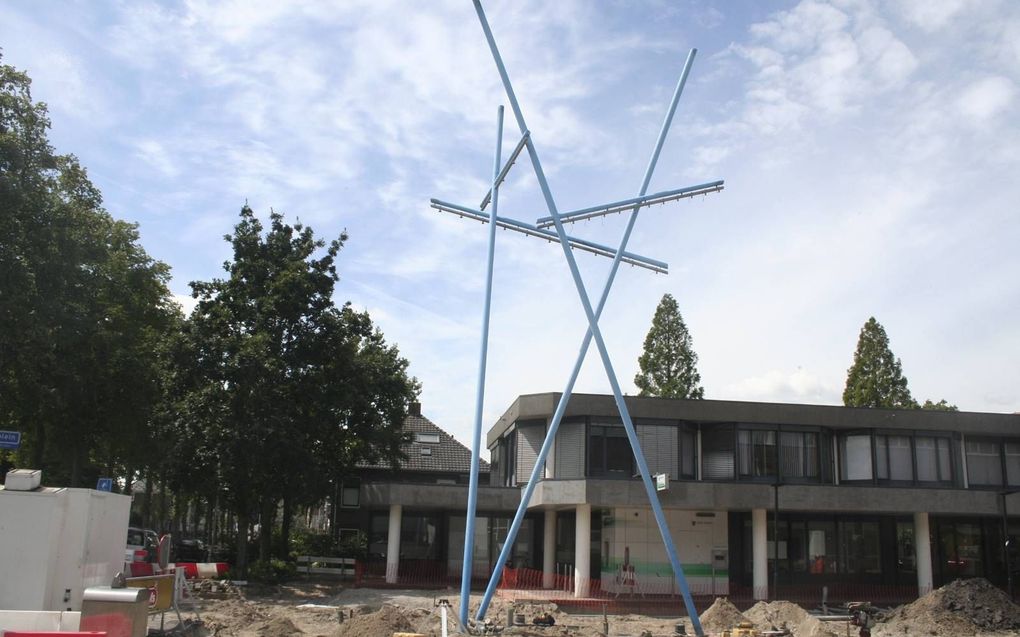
[54, 543]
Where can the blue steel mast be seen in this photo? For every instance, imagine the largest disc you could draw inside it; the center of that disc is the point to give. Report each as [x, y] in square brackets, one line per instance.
[596, 333]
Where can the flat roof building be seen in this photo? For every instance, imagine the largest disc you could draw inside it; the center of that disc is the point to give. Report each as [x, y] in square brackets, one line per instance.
[892, 502]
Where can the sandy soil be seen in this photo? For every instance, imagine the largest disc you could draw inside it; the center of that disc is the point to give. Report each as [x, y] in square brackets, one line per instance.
[961, 609]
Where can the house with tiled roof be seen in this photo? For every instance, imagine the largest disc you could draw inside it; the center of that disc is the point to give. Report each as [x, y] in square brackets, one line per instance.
[431, 455]
[413, 514]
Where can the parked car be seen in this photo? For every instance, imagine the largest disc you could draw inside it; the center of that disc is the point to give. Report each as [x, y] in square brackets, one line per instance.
[189, 550]
[140, 545]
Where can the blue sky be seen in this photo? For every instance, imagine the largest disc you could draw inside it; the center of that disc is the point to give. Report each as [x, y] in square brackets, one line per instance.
[870, 152]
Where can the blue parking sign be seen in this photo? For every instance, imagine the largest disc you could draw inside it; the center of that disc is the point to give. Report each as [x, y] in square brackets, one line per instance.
[105, 484]
[10, 439]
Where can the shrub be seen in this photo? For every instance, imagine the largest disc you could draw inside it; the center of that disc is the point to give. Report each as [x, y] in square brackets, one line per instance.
[273, 571]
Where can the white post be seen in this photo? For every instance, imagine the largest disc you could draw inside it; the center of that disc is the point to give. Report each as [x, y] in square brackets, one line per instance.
[393, 544]
[759, 553]
[922, 553]
[582, 550]
[549, 549]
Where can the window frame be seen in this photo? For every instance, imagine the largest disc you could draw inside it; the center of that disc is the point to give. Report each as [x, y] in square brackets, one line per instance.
[350, 485]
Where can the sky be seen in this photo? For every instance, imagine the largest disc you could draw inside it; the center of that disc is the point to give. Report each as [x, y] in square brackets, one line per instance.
[871, 153]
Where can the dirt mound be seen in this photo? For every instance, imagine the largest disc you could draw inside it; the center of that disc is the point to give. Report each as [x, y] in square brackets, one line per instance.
[721, 615]
[963, 607]
[779, 614]
[382, 623]
[277, 627]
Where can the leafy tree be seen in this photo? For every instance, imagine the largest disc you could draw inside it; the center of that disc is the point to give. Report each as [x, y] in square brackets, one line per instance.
[876, 377]
[941, 405]
[669, 365]
[277, 389]
[80, 303]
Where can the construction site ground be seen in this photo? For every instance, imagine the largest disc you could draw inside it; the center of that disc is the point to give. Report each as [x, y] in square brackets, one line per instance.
[329, 609]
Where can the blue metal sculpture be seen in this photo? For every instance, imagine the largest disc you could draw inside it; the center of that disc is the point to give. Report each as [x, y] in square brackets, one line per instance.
[619, 255]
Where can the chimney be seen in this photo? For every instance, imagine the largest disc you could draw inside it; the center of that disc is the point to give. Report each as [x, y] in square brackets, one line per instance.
[414, 409]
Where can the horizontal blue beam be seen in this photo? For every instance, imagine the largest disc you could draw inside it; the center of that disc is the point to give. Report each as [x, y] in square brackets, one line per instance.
[628, 204]
[530, 230]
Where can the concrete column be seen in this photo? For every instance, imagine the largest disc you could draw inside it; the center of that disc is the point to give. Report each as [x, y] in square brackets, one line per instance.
[759, 553]
[582, 551]
[549, 549]
[393, 544]
[922, 553]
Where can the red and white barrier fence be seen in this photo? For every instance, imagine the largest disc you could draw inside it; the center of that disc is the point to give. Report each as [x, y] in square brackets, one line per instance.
[192, 570]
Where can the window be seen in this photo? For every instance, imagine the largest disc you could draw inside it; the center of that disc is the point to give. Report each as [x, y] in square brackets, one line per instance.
[893, 458]
[932, 456]
[757, 452]
[349, 535]
[1013, 463]
[717, 449]
[426, 451]
[984, 463]
[432, 439]
[855, 457]
[350, 495]
[609, 452]
[862, 545]
[419, 536]
[688, 451]
[798, 454]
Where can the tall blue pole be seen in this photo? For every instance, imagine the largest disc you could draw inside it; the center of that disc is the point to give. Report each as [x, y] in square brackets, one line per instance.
[596, 333]
[476, 439]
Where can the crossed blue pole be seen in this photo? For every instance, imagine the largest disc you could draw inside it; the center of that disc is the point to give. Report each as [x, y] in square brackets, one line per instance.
[472, 504]
[593, 332]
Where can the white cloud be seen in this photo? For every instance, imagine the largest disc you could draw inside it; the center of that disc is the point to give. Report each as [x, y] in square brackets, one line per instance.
[153, 153]
[932, 16]
[856, 147]
[985, 99]
[186, 302]
[797, 386]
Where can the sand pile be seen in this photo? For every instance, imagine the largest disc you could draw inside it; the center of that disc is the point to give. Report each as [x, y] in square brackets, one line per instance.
[778, 615]
[963, 607]
[233, 615]
[381, 623]
[276, 627]
[721, 615]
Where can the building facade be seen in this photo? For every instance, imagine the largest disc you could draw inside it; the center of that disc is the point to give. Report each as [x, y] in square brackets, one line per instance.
[759, 495]
[413, 513]
[906, 499]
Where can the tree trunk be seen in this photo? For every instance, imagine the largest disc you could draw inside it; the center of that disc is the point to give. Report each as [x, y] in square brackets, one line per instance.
[242, 545]
[75, 467]
[129, 477]
[147, 501]
[39, 445]
[210, 528]
[162, 522]
[283, 550]
[266, 528]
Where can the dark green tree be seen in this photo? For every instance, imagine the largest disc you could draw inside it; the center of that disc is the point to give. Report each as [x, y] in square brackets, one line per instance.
[278, 390]
[669, 365]
[876, 377]
[941, 405]
[81, 304]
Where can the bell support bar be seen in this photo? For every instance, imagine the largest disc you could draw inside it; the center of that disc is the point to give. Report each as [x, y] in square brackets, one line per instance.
[506, 168]
[531, 231]
[628, 204]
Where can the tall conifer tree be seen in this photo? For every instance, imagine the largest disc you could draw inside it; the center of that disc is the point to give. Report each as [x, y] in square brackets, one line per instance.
[876, 377]
[669, 366]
